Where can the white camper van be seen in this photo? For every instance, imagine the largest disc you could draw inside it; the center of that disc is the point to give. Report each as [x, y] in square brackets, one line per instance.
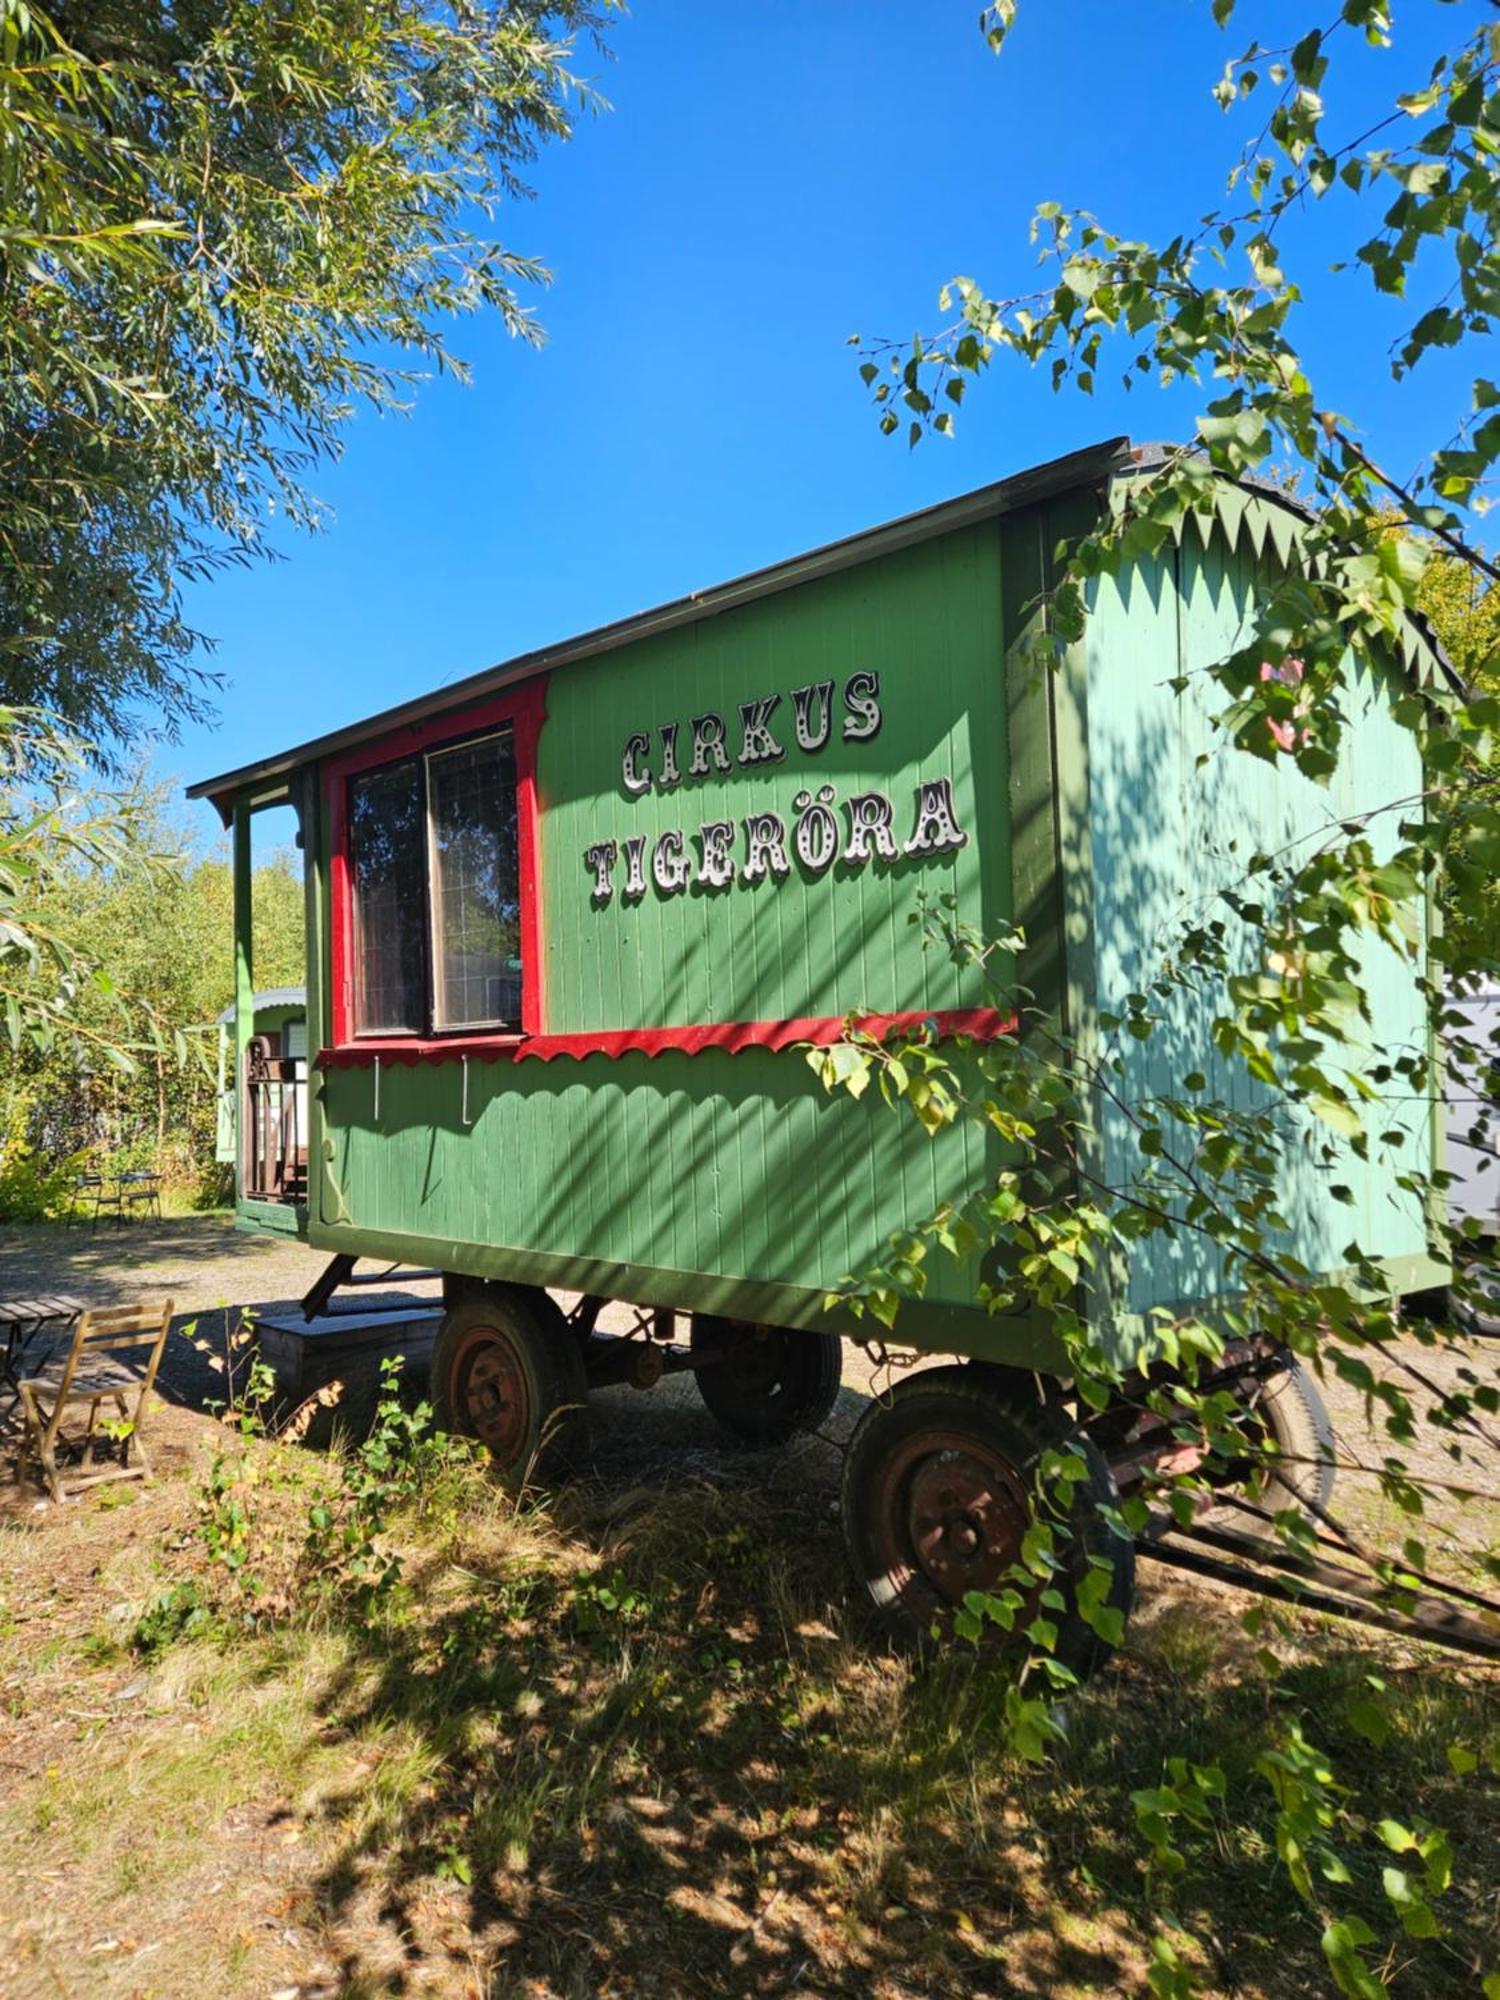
[1475, 1189]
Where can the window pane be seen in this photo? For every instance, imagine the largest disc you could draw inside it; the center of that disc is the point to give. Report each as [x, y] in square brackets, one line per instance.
[386, 836]
[476, 901]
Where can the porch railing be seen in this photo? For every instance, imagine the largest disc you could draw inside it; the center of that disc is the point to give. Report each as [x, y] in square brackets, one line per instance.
[273, 1158]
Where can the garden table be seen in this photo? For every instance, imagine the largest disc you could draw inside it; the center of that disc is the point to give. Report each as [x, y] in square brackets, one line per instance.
[21, 1320]
[139, 1191]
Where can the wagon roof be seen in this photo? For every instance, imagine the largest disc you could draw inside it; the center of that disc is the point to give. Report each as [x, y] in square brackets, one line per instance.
[1090, 466]
[267, 1000]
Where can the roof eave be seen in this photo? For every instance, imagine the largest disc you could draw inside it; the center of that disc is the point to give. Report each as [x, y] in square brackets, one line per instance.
[1004, 496]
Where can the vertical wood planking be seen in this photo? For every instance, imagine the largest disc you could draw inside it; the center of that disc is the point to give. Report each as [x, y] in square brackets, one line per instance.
[928, 621]
[1175, 816]
[737, 1165]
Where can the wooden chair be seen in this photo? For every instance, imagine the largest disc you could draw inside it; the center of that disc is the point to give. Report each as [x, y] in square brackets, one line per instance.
[91, 1372]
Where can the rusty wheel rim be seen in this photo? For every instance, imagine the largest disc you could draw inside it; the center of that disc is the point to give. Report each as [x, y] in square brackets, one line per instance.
[490, 1393]
[950, 1515]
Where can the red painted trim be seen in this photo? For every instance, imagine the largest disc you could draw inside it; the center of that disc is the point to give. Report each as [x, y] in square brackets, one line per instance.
[528, 713]
[982, 1024]
[524, 708]
[340, 906]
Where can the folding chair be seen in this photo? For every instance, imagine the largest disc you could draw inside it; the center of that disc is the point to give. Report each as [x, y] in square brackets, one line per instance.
[139, 1191]
[104, 1194]
[91, 1372]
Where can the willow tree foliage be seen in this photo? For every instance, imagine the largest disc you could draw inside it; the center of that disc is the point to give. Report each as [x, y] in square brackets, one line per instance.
[1276, 966]
[223, 225]
[116, 958]
[58, 826]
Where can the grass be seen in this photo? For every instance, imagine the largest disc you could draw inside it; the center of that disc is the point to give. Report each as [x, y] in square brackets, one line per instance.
[639, 1744]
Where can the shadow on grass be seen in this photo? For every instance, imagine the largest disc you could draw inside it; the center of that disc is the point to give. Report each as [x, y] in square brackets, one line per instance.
[673, 1770]
[635, 1742]
[642, 1747]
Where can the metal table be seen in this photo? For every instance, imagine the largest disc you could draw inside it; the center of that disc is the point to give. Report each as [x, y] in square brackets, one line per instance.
[21, 1320]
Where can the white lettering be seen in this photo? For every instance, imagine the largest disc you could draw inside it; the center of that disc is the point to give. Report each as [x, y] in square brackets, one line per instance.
[635, 873]
[714, 836]
[869, 828]
[708, 742]
[670, 867]
[862, 700]
[814, 714]
[816, 835]
[637, 780]
[757, 744]
[670, 775]
[765, 846]
[937, 829]
[601, 857]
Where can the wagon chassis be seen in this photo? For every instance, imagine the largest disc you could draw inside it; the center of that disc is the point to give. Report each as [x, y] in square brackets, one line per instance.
[1388, 1596]
[639, 1357]
[1439, 1612]
[1443, 1613]
[1270, 1569]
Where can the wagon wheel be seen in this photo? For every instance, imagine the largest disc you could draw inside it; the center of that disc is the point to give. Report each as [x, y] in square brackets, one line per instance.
[1286, 1416]
[1278, 1416]
[506, 1371]
[939, 1489]
[765, 1383]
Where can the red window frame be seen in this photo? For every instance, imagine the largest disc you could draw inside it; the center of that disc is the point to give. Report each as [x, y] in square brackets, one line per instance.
[522, 710]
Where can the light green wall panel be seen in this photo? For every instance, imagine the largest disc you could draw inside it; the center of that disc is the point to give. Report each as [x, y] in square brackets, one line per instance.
[736, 1165]
[1174, 815]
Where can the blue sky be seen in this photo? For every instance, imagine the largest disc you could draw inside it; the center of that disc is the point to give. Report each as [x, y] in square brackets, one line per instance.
[769, 180]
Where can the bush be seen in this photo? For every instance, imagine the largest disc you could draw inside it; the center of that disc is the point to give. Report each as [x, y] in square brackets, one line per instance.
[30, 1189]
[213, 1186]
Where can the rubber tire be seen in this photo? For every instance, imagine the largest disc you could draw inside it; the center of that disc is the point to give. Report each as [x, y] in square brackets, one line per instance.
[1480, 1270]
[809, 1368]
[1298, 1420]
[1008, 1416]
[536, 1332]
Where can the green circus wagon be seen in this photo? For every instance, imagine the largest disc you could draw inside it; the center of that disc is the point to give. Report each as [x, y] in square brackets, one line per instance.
[570, 921]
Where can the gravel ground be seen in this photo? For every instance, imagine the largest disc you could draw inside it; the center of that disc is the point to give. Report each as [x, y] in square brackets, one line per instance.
[216, 1275]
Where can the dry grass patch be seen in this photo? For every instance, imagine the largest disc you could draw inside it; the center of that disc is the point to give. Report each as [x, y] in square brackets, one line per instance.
[635, 1743]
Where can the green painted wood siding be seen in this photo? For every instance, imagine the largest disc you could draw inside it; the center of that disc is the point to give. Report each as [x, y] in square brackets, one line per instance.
[1160, 835]
[928, 621]
[716, 1166]
[732, 1182]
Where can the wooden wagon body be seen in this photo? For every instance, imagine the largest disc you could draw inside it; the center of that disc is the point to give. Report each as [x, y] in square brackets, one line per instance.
[724, 814]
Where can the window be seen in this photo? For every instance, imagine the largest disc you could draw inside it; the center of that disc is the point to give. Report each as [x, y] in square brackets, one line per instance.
[476, 899]
[433, 853]
[385, 849]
